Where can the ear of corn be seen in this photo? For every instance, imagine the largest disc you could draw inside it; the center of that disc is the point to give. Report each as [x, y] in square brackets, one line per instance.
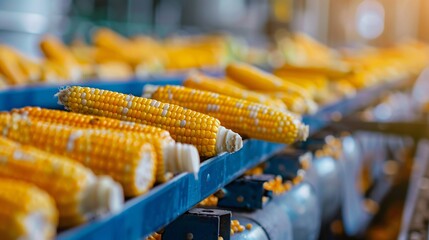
[247, 118]
[184, 125]
[123, 156]
[317, 84]
[56, 51]
[171, 157]
[9, 67]
[88, 121]
[258, 80]
[26, 211]
[206, 83]
[115, 47]
[78, 193]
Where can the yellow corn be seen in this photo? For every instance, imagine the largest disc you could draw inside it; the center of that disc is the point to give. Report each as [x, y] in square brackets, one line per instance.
[9, 67]
[57, 52]
[206, 83]
[3, 82]
[171, 157]
[32, 70]
[116, 47]
[113, 71]
[258, 80]
[26, 211]
[184, 125]
[29, 70]
[335, 71]
[88, 121]
[230, 81]
[123, 156]
[78, 193]
[317, 84]
[247, 118]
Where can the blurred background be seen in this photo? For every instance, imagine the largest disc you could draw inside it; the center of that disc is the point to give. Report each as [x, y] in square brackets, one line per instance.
[337, 23]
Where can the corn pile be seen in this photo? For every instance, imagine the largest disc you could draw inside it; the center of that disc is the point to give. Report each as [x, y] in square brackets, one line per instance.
[210, 201]
[333, 148]
[236, 227]
[329, 75]
[278, 187]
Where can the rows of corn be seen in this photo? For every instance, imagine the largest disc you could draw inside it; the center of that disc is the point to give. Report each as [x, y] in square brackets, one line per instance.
[70, 166]
[296, 58]
[111, 56]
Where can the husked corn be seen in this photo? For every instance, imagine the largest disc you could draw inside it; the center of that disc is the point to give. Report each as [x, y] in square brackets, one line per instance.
[88, 121]
[26, 211]
[247, 118]
[171, 157]
[57, 52]
[258, 80]
[184, 125]
[78, 193]
[123, 156]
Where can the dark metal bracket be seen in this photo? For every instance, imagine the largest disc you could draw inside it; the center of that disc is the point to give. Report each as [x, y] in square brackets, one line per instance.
[200, 223]
[246, 193]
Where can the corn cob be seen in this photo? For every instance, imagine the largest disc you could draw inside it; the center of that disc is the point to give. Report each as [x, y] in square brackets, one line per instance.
[117, 47]
[26, 211]
[31, 70]
[88, 121]
[317, 83]
[206, 83]
[56, 51]
[170, 157]
[165, 147]
[247, 118]
[9, 67]
[78, 193]
[258, 80]
[184, 125]
[123, 156]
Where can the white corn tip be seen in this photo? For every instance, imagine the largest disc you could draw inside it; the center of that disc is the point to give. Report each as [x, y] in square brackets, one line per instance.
[179, 157]
[228, 141]
[102, 196]
[38, 227]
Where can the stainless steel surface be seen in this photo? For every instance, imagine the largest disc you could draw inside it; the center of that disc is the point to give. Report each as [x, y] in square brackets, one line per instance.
[324, 176]
[256, 232]
[354, 216]
[302, 206]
